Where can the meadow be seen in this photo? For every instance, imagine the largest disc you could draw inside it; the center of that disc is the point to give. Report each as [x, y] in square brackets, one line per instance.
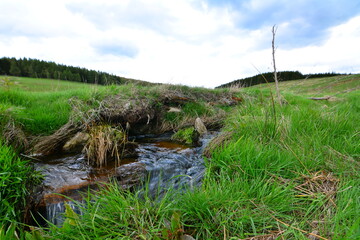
[318, 86]
[275, 172]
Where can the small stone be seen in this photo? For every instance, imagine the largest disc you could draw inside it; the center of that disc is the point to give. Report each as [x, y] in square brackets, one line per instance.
[173, 109]
[186, 237]
[200, 127]
[76, 143]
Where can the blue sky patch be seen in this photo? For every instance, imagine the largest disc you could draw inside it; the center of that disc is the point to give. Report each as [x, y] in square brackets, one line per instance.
[117, 50]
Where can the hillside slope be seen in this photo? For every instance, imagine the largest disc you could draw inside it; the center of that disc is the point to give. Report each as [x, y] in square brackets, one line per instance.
[317, 86]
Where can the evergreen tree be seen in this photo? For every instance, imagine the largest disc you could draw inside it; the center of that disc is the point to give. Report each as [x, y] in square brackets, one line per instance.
[14, 69]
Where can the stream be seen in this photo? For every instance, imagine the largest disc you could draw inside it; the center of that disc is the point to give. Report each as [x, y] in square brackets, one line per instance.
[161, 162]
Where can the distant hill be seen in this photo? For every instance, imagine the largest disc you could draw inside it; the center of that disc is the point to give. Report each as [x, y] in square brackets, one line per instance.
[269, 77]
[42, 69]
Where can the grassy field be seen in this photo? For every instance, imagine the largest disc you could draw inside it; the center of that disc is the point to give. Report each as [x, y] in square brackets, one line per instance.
[43, 85]
[41, 106]
[318, 86]
[287, 172]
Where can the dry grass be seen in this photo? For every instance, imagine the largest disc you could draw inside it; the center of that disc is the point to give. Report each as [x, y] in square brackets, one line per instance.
[217, 142]
[318, 185]
[319, 182]
[105, 143]
[13, 135]
[271, 236]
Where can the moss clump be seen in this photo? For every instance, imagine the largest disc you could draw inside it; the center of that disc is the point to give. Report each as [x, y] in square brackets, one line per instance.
[187, 135]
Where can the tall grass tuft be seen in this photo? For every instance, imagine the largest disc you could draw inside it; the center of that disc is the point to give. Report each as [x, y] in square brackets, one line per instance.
[118, 214]
[105, 143]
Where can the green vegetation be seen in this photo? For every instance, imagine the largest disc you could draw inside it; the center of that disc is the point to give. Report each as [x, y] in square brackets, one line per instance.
[268, 77]
[42, 105]
[191, 110]
[286, 166]
[186, 135]
[332, 86]
[43, 85]
[120, 215]
[15, 177]
[285, 172]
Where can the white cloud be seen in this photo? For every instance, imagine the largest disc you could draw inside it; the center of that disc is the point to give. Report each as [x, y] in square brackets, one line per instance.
[188, 42]
[339, 53]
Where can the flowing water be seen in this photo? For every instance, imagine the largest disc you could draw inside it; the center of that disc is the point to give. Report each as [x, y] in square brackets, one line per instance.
[164, 163]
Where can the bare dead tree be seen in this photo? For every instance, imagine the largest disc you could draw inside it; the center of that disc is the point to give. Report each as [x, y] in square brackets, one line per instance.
[274, 29]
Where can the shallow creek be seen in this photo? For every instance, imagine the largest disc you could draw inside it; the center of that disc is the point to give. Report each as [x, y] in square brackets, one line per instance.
[161, 162]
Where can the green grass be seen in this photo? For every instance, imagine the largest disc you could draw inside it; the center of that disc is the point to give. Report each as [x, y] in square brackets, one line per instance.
[302, 138]
[317, 86]
[186, 135]
[118, 215]
[39, 112]
[15, 177]
[41, 106]
[44, 85]
[290, 170]
[191, 110]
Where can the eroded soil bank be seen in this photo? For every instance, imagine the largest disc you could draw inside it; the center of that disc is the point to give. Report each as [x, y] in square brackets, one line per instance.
[170, 111]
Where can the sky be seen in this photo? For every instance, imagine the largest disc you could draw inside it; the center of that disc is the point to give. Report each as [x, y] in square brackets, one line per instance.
[202, 43]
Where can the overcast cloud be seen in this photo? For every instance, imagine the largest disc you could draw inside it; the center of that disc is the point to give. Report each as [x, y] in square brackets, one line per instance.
[190, 42]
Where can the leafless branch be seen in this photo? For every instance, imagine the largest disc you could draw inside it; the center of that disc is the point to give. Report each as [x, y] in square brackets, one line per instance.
[274, 29]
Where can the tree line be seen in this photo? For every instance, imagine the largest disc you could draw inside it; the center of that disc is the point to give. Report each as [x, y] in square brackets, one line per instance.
[269, 77]
[35, 68]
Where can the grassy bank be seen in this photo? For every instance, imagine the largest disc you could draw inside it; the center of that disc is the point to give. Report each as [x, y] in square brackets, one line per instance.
[291, 170]
[16, 176]
[286, 172]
